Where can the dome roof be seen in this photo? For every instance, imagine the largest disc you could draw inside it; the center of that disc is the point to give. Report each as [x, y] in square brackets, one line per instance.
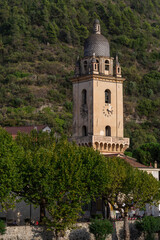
[96, 21]
[98, 44]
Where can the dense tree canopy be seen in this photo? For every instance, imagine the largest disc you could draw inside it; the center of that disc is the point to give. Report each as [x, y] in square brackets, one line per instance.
[127, 187]
[148, 153]
[59, 176]
[9, 178]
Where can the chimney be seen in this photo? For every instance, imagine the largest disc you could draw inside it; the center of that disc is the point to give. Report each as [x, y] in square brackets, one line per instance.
[155, 164]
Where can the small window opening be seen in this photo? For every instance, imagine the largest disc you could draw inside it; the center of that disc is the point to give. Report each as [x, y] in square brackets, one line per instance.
[97, 65]
[84, 131]
[107, 96]
[84, 96]
[85, 66]
[107, 65]
[108, 131]
[118, 70]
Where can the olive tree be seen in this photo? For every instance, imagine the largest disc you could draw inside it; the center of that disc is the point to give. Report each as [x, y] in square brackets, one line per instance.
[127, 187]
[61, 178]
[9, 178]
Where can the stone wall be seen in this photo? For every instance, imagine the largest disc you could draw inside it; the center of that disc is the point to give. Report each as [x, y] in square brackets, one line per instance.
[81, 233]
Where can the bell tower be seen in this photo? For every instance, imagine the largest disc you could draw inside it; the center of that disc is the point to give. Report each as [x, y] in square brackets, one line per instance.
[98, 97]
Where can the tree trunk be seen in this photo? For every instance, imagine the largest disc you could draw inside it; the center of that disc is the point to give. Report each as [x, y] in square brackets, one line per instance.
[56, 235]
[126, 227]
[156, 236]
[42, 210]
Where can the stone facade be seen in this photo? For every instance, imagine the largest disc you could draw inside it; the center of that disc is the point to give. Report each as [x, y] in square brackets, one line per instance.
[20, 213]
[98, 97]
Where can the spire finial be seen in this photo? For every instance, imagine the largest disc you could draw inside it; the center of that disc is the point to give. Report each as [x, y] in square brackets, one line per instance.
[116, 58]
[94, 58]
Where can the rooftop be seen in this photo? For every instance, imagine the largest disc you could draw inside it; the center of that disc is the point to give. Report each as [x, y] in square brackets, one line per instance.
[132, 161]
[24, 129]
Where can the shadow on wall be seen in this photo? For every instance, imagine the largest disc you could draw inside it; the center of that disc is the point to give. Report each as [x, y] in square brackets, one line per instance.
[42, 233]
[134, 233]
[114, 234]
[79, 234]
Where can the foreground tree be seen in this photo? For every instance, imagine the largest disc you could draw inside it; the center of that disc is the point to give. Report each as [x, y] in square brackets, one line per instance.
[2, 227]
[79, 180]
[127, 187]
[61, 178]
[35, 140]
[9, 151]
[35, 156]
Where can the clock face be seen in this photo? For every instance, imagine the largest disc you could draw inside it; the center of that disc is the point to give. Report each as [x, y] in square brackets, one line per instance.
[84, 110]
[107, 110]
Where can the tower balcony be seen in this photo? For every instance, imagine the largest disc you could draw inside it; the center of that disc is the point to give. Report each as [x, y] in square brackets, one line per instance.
[103, 144]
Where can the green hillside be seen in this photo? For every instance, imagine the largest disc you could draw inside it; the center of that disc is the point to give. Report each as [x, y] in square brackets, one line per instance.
[39, 43]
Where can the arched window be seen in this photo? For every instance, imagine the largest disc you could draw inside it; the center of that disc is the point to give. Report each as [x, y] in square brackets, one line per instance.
[108, 131]
[107, 96]
[97, 65]
[109, 147]
[101, 146]
[121, 147]
[118, 70]
[97, 145]
[117, 147]
[84, 96]
[85, 66]
[84, 131]
[106, 65]
[113, 147]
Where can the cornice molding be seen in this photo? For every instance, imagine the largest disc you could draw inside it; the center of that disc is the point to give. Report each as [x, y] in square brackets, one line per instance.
[97, 77]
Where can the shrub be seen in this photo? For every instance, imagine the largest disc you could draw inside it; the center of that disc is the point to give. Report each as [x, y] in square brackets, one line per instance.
[128, 153]
[68, 105]
[101, 228]
[147, 107]
[19, 74]
[65, 36]
[149, 225]
[79, 234]
[2, 227]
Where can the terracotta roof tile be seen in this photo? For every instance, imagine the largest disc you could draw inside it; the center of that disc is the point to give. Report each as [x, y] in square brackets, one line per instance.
[132, 161]
[24, 129]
